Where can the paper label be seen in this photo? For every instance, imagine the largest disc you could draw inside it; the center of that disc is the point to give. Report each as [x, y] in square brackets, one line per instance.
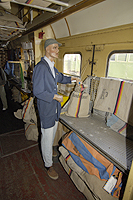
[110, 184]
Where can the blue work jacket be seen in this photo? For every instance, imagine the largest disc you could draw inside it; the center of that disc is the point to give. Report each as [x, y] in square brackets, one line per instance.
[44, 88]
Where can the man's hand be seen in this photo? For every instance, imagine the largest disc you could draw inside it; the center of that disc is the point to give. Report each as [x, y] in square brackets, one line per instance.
[78, 80]
[58, 98]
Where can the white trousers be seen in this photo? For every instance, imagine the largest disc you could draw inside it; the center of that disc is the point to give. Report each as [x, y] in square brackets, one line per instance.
[47, 140]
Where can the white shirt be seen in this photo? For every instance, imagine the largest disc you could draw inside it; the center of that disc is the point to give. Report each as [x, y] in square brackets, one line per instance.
[51, 65]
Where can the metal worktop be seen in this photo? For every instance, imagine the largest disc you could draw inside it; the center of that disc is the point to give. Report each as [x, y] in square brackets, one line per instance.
[112, 145]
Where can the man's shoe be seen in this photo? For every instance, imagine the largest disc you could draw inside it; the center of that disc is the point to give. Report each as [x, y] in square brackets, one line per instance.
[52, 173]
[4, 109]
[54, 153]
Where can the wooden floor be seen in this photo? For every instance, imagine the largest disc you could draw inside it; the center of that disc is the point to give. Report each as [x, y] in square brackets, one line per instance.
[22, 172]
[23, 176]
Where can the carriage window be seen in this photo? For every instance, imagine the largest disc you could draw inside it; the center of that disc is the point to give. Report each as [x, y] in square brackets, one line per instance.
[121, 57]
[112, 58]
[72, 64]
[131, 57]
[120, 65]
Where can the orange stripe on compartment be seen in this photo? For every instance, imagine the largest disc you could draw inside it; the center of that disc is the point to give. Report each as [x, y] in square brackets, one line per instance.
[98, 156]
[89, 166]
[117, 191]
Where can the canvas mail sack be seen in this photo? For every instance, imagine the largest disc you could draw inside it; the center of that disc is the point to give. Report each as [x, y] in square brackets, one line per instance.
[28, 114]
[29, 117]
[115, 96]
[79, 102]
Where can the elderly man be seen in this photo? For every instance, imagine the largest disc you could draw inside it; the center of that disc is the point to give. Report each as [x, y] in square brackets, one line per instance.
[45, 79]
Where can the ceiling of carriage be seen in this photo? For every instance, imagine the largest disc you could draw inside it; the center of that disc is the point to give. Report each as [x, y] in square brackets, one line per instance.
[66, 17]
[20, 17]
[106, 14]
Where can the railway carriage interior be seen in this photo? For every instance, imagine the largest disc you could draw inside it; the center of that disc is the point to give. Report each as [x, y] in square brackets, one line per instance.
[94, 138]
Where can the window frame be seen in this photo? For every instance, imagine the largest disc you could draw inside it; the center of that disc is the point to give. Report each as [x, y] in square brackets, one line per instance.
[75, 52]
[129, 60]
[116, 52]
